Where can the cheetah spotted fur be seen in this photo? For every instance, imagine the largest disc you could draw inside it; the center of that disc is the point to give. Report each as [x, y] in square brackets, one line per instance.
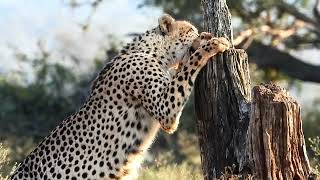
[134, 96]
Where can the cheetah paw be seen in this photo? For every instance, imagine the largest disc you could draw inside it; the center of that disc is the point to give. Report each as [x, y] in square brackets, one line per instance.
[220, 44]
[216, 45]
[201, 40]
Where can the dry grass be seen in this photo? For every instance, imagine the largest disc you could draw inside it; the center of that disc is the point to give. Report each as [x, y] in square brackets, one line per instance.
[4, 152]
[173, 172]
[4, 162]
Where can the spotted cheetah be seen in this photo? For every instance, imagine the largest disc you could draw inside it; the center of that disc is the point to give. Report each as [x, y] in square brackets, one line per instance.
[132, 98]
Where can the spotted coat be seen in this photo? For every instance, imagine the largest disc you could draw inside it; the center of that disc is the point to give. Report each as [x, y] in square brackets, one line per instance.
[132, 98]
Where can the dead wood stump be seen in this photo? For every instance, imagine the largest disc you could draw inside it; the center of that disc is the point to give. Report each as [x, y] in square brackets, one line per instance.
[275, 143]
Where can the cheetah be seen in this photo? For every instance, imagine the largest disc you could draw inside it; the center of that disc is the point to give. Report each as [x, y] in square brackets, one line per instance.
[133, 97]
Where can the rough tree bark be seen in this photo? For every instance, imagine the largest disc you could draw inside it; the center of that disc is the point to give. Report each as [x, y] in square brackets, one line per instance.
[222, 97]
[275, 143]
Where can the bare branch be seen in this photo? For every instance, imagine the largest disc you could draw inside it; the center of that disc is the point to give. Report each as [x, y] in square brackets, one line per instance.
[297, 14]
[296, 42]
[268, 57]
[278, 34]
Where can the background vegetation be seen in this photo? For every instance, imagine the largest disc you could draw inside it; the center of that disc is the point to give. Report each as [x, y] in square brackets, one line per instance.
[29, 110]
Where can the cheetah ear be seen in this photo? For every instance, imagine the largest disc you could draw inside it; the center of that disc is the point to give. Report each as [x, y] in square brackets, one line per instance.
[165, 23]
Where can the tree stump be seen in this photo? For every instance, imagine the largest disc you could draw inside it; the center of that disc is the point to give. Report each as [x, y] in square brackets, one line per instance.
[275, 143]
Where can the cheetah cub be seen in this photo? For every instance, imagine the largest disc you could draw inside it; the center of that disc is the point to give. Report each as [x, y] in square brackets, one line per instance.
[132, 98]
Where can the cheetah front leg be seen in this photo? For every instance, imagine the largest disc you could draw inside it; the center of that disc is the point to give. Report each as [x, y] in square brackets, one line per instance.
[165, 99]
[181, 86]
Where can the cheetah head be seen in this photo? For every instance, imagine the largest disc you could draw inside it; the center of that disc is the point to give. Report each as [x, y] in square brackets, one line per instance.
[179, 36]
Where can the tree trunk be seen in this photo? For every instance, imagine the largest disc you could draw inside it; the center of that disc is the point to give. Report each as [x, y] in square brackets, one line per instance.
[222, 96]
[275, 143]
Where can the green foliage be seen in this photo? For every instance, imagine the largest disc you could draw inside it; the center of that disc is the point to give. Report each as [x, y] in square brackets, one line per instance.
[311, 128]
[311, 124]
[315, 147]
[30, 109]
[37, 106]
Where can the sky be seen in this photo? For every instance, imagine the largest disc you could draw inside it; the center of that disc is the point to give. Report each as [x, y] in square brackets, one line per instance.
[24, 23]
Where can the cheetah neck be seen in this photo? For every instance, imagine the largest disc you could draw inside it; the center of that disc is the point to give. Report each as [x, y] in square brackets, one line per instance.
[154, 43]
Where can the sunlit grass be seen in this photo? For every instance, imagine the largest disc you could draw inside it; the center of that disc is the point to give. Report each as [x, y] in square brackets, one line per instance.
[4, 152]
[315, 147]
[182, 171]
